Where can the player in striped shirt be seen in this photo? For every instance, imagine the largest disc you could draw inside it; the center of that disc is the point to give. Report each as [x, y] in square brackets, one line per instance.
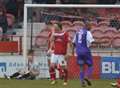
[82, 42]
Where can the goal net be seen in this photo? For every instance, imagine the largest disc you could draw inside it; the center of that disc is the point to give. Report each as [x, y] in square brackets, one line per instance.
[37, 16]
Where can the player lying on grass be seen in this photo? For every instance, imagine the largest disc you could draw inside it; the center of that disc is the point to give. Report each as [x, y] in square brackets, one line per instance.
[81, 42]
[30, 73]
[60, 42]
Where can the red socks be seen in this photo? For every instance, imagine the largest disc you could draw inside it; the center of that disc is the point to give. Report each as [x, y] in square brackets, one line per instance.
[63, 73]
[52, 73]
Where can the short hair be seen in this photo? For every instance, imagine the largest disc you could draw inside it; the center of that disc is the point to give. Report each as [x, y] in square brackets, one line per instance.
[30, 52]
[59, 25]
[49, 23]
[88, 26]
[3, 9]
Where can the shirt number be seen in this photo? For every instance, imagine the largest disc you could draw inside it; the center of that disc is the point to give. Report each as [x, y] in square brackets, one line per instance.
[80, 38]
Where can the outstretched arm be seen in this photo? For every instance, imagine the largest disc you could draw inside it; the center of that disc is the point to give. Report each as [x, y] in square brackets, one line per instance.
[51, 43]
[73, 44]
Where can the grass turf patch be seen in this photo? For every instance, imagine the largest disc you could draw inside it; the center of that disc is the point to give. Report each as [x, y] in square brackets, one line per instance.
[46, 84]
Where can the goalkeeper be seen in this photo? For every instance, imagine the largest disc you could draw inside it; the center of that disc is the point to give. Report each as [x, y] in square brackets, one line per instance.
[31, 73]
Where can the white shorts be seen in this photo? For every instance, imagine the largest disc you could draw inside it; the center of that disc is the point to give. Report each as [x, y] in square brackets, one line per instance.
[58, 59]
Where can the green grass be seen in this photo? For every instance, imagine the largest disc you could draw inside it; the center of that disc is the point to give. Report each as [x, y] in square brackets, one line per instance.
[46, 84]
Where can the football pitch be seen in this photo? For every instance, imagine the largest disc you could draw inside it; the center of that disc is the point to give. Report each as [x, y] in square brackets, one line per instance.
[46, 84]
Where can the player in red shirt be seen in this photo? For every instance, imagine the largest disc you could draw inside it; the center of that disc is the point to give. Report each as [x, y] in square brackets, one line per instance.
[60, 42]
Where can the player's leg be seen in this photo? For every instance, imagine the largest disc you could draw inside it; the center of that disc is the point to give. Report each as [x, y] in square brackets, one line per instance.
[15, 75]
[59, 68]
[65, 75]
[25, 76]
[29, 75]
[12, 76]
[89, 71]
[49, 59]
[33, 74]
[88, 76]
[63, 68]
[48, 62]
[52, 68]
[89, 62]
[80, 61]
[82, 75]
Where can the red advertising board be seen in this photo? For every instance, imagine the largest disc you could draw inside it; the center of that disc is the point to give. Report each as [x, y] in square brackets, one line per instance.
[73, 68]
[9, 46]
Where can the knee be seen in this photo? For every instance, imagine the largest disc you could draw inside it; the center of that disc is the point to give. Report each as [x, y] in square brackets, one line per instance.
[52, 65]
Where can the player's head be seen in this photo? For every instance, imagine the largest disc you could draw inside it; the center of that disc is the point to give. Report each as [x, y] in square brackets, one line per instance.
[1, 11]
[49, 25]
[80, 25]
[30, 52]
[88, 26]
[58, 26]
[30, 55]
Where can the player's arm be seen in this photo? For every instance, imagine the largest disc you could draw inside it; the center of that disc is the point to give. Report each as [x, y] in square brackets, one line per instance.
[69, 48]
[90, 38]
[51, 42]
[73, 48]
[73, 44]
[68, 54]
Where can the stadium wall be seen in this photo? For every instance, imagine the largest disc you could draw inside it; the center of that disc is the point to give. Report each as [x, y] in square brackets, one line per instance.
[73, 68]
[11, 64]
[104, 67]
[110, 67]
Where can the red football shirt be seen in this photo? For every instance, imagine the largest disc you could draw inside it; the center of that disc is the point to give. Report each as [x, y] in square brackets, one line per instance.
[60, 43]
